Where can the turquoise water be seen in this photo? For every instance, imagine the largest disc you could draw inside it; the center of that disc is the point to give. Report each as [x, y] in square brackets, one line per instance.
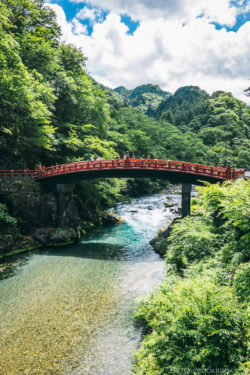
[70, 310]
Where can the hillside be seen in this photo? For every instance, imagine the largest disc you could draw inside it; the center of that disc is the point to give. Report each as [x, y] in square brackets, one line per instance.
[52, 112]
[219, 122]
[146, 98]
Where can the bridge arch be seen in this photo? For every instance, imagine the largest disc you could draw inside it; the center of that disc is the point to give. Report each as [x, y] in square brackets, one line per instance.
[66, 175]
[173, 171]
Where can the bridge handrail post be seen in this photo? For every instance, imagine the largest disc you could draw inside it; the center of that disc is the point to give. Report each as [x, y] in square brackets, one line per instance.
[228, 172]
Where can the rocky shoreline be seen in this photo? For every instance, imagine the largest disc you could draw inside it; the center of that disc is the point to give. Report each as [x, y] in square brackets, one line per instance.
[12, 245]
[159, 242]
[36, 214]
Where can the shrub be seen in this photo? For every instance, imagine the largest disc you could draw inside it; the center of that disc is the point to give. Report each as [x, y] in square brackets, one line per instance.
[7, 222]
[194, 325]
[190, 241]
[242, 282]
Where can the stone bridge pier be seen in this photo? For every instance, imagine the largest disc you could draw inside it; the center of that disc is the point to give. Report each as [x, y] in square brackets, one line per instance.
[64, 203]
[185, 199]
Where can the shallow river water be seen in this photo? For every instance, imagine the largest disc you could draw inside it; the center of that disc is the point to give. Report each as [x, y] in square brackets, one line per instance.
[70, 310]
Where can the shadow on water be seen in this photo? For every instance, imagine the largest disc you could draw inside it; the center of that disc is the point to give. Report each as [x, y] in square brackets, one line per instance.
[117, 243]
[124, 242]
[112, 243]
[101, 251]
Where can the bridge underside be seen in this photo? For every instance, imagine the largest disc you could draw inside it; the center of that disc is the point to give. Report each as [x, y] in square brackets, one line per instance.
[171, 176]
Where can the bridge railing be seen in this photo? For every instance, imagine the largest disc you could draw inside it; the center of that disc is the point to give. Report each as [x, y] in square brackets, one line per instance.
[133, 164]
[128, 163]
[18, 173]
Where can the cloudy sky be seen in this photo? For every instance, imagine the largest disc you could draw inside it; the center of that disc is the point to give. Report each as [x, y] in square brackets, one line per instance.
[171, 43]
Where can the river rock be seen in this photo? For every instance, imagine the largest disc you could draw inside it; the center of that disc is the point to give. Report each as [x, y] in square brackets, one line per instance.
[169, 204]
[25, 243]
[159, 242]
[151, 207]
[7, 242]
[55, 236]
[63, 236]
[43, 235]
[109, 218]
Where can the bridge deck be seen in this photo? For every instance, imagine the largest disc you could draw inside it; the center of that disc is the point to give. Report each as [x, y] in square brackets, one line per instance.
[110, 168]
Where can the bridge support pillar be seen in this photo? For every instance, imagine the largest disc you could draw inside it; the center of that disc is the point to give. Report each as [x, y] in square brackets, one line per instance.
[186, 197]
[64, 198]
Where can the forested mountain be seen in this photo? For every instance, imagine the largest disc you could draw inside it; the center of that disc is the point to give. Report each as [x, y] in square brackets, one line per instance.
[219, 123]
[146, 97]
[52, 111]
[220, 120]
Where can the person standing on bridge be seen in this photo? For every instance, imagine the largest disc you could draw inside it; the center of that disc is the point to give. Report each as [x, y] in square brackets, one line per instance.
[127, 160]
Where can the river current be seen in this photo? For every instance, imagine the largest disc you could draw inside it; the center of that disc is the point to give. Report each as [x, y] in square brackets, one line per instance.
[70, 310]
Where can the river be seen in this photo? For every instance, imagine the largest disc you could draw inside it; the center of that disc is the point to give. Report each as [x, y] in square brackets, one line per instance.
[70, 310]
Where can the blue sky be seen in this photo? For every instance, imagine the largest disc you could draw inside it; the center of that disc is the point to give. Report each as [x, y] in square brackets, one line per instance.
[71, 8]
[167, 42]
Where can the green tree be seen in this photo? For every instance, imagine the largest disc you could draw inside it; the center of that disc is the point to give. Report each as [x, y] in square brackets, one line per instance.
[242, 282]
[193, 324]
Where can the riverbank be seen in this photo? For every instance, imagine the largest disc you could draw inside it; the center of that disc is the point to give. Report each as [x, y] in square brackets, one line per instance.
[12, 245]
[29, 218]
[71, 310]
[196, 321]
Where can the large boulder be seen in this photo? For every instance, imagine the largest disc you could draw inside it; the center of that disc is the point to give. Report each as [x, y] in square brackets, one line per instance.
[7, 243]
[43, 235]
[55, 236]
[159, 242]
[25, 242]
[109, 218]
[63, 236]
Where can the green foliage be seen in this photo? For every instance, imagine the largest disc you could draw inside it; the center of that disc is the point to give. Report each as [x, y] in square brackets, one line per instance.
[94, 196]
[198, 322]
[146, 98]
[230, 202]
[193, 324]
[52, 111]
[220, 121]
[191, 240]
[7, 222]
[242, 282]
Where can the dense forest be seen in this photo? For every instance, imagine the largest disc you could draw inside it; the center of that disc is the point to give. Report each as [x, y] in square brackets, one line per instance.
[52, 111]
[197, 320]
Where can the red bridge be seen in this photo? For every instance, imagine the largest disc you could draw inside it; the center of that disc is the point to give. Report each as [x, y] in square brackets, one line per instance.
[174, 171]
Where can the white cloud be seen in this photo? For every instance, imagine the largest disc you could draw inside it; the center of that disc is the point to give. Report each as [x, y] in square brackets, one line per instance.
[162, 51]
[86, 13]
[184, 10]
[90, 14]
[78, 27]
